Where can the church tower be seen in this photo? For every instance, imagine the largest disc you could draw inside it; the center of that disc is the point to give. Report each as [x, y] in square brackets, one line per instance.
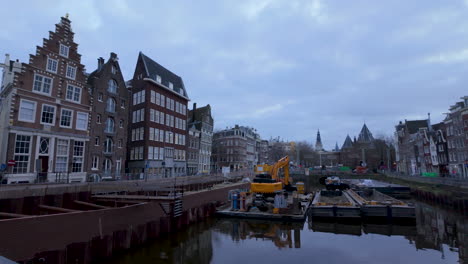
[318, 142]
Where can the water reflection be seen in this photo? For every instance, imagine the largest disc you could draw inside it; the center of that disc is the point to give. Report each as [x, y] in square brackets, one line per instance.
[437, 236]
[283, 235]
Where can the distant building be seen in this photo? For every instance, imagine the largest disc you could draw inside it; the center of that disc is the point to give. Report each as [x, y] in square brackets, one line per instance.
[409, 150]
[318, 142]
[202, 121]
[193, 149]
[44, 112]
[109, 118]
[457, 139]
[235, 148]
[158, 128]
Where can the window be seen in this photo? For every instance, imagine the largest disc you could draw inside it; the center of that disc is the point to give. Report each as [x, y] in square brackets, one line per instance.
[64, 50]
[138, 116]
[110, 125]
[98, 118]
[121, 123]
[48, 113]
[158, 99]
[52, 65]
[82, 121]
[112, 86]
[99, 97]
[22, 154]
[161, 153]
[61, 162]
[150, 153]
[27, 111]
[107, 166]
[113, 69]
[78, 154]
[71, 72]
[96, 141]
[158, 78]
[168, 120]
[140, 153]
[168, 103]
[152, 115]
[153, 97]
[122, 104]
[108, 144]
[42, 84]
[66, 118]
[73, 93]
[161, 135]
[95, 163]
[171, 86]
[119, 143]
[162, 100]
[110, 105]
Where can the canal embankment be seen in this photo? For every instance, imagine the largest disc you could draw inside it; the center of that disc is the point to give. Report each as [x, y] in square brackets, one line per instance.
[66, 224]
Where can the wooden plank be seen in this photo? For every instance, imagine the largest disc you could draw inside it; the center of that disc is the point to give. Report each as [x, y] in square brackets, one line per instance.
[12, 215]
[58, 209]
[97, 206]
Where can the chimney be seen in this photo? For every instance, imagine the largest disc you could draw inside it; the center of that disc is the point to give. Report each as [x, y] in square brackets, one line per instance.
[100, 63]
[113, 56]
[193, 111]
[429, 127]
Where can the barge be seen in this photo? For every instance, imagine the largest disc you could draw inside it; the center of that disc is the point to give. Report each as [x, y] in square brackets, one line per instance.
[284, 207]
[334, 204]
[376, 204]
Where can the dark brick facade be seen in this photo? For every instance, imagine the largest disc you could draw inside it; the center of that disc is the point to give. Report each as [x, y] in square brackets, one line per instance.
[109, 119]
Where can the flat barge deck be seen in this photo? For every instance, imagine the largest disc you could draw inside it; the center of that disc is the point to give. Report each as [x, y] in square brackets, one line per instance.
[334, 204]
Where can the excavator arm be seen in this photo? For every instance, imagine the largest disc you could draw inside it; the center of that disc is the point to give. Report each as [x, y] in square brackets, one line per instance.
[282, 163]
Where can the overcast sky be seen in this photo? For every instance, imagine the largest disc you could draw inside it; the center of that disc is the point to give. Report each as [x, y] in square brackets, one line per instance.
[287, 67]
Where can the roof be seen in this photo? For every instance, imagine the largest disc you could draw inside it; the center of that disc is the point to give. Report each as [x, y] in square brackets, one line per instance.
[414, 125]
[197, 118]
[438, 126]
[154, 69]
[348, 143]
[365, 135]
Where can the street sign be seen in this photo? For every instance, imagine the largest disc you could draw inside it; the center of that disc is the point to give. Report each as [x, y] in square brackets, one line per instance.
[11, 163]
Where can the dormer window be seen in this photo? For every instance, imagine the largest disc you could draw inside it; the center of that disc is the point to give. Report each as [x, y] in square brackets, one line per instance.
[158, 79]
[171, 86]
[64, 50]
[52, 65]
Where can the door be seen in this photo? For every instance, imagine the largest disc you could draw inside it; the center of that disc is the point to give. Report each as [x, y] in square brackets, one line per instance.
[42, 172]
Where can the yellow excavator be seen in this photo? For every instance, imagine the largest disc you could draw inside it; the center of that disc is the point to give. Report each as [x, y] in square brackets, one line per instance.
[269, 183]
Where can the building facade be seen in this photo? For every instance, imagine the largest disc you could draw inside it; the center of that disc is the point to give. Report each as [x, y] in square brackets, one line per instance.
[193, 149]
[158, 125]
[235, 148]
[202, 120]
[46, 132]
[109, 118]
[456, 126]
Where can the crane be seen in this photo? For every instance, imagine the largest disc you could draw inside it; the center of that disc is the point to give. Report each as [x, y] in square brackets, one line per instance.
[270, 183]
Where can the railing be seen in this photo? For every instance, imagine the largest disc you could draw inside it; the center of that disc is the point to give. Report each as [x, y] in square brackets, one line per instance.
[450, 180]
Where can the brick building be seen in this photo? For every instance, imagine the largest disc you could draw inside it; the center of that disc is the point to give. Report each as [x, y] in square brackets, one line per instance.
[109, 118]
[235, 148]
[456, 130]
[158, 125]
[45, 110]
[202, 121]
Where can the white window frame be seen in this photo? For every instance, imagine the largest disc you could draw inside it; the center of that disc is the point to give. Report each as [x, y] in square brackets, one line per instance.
[53, 118]
[50, 64]
[41, 91]
[71, 118]
[23, 154]
[73, 93]
[158, 79]
[59, 155]
[72, 71]
[77, 119]
[78, 157]
[33, 114]
[95, 163]
[64, 50]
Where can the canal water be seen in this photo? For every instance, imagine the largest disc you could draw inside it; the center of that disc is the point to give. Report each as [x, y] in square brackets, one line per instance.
[437, 236]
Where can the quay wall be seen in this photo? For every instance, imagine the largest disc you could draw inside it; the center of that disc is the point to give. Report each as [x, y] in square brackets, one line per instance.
[84, 237]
